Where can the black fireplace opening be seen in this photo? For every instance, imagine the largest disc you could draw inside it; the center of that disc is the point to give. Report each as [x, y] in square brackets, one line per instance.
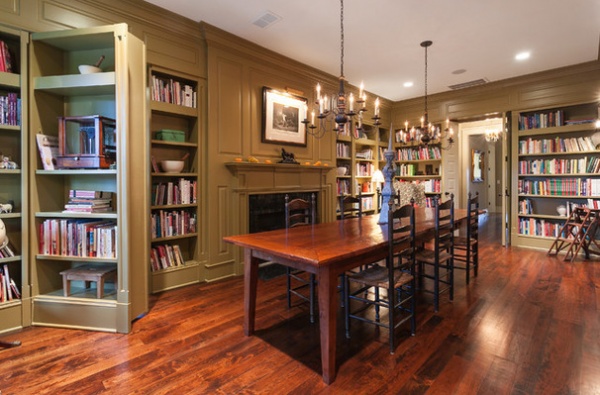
[267, 212]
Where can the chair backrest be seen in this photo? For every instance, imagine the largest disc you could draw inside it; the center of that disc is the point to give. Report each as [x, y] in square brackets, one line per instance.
[444, 225]
[473, 217]
[351, 206]
[299, 211]
[401, 237]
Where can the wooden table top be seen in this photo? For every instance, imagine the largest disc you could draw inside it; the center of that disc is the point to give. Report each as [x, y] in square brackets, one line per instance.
[331, 242]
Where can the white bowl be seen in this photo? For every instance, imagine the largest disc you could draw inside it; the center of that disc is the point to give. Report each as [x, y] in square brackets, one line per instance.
[87, 69]
[341, 171]
[172, 166]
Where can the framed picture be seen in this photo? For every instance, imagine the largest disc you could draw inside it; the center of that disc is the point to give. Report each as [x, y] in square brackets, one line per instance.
[283, 114]
[477, 165]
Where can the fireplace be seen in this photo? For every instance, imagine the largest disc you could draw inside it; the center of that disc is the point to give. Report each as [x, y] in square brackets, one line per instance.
[267, 211]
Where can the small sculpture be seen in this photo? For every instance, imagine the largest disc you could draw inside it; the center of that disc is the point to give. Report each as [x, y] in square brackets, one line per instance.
[287, 157]
[6, 208]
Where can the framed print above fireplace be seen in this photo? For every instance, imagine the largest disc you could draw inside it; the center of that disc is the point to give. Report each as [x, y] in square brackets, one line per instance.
[283, 114]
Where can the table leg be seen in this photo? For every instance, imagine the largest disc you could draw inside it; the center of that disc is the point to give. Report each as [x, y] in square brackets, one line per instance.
[250, 281]
[327, 290]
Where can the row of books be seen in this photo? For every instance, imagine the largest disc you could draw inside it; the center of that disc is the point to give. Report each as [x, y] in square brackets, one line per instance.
[365, 169]
[556, 145]
[559, 166]
[541, 120]
[560, 187]
[172, 223]
[78, 237]
[342, 150]
[526, 206]
[539, 227]
[86, 201]
[165, 256]
[6, 58]
[181, 192]
[168, 90]
[10, 109]
[8, 288]
[432, 186]
[419, 153]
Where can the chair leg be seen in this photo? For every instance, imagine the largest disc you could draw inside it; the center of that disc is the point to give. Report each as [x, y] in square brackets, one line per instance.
[377, 304]
[312, 298]
[288, 271]
[450, 266]
[436, 287]
[391, 318]
[468, 262]
[347, 306]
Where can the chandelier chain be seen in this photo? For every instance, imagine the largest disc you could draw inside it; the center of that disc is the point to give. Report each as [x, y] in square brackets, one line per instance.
[426, 115]
[342, 39]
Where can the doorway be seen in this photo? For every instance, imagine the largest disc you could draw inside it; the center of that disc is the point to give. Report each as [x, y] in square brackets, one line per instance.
[484, 164]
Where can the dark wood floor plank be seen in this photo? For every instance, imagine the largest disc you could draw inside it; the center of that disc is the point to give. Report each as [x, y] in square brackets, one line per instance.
[528, 324]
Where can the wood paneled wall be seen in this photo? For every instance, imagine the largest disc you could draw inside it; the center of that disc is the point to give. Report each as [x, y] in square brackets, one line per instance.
[236, 70]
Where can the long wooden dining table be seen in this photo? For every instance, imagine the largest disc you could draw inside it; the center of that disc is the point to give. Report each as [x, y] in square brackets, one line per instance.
[327, 250]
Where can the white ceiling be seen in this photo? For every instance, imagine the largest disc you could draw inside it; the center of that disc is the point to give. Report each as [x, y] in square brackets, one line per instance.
[382, 37]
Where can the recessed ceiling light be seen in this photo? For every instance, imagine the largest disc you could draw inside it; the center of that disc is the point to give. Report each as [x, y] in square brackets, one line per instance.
[408, 84]
[522, 56]
[459, 71]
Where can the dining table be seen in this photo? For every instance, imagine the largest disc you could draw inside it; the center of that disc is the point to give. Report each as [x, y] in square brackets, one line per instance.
[327, 250]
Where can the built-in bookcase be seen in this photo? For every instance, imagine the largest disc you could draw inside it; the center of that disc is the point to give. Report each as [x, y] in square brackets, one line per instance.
[419, 164]
[14, 306]
[58, 89]
[556, 162]
[175, 127]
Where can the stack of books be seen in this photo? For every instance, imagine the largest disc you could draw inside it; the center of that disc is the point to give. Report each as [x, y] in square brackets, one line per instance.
[81, 201]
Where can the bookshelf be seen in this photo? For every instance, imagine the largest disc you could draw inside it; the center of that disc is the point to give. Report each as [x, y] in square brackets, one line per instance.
[14, 314]
[176, 236]
[419, 164]
[59, 90]
[557, 163]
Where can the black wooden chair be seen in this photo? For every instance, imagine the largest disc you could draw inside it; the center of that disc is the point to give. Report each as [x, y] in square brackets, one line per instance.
[466, 247]
[300, 212]
[436, 261]
[396, 278]
[351, 206]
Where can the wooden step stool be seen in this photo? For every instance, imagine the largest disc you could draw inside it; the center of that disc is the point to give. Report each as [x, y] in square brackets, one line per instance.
[89, 273]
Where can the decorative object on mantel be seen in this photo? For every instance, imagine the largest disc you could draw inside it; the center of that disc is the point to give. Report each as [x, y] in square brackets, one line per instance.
[343, 116]
[287, 157]
[388, 174]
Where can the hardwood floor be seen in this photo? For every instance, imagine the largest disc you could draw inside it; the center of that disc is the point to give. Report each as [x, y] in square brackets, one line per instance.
[528, 324]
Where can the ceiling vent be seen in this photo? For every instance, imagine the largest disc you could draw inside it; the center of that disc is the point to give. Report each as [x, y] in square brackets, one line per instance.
[469, 84]
[266, 20]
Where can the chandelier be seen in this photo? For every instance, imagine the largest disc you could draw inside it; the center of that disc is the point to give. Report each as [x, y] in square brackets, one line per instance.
[427, 133]
[493, 131]
[492, 135]
[345, 108]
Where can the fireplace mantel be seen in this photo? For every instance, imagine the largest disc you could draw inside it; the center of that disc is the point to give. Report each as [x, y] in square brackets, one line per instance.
[274, 177]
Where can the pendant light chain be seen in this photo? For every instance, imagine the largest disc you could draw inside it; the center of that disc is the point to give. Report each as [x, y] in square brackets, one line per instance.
[342, 39]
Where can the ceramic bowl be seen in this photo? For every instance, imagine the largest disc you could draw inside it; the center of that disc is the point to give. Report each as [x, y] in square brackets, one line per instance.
[88, 69]
[341, 171]
[172, 166]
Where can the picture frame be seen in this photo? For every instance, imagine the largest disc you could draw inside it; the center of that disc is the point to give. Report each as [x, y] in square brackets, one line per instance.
[283, 114]
[477, 165]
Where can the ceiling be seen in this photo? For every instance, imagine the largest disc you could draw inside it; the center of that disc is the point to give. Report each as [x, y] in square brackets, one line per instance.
[472, 39]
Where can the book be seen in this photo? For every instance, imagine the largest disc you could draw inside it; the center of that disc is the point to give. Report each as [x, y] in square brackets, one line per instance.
[86, 194]
[48, 148]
